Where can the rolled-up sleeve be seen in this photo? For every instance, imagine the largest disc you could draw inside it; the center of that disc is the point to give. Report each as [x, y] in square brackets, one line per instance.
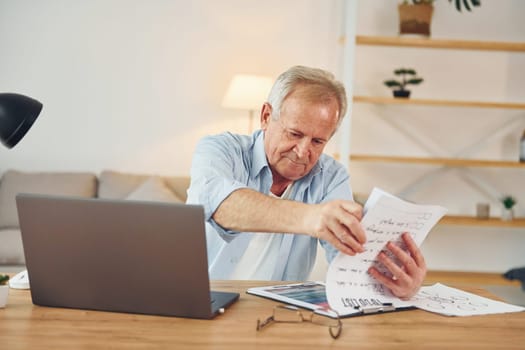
[336, 183]
[214, 176]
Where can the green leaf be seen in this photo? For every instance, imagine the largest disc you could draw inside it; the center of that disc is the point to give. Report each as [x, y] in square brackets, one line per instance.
[403, 71]
[392, 83]
[466, 3]
[414, 81]
[4, 279]
[508, 201]
[400, 71]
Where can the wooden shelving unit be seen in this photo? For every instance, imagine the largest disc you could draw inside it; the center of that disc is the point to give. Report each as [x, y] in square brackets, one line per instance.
[450, 162]
[440, 43]
[432, 102]
[474, 221]
[433, 43]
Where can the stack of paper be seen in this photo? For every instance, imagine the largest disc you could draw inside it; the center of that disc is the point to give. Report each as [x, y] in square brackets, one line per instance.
[350, 288]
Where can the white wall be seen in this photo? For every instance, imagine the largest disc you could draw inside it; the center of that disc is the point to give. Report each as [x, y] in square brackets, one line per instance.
[132, 85]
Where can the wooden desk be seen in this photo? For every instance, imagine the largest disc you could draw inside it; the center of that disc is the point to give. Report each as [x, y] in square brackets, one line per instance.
[25, 326]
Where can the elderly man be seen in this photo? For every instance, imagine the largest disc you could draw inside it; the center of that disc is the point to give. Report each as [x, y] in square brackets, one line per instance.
[269, 197]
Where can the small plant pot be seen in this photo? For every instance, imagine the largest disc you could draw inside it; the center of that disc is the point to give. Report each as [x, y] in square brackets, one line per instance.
[415, 19]
[401, 93]
[4, 292]
[507, 214]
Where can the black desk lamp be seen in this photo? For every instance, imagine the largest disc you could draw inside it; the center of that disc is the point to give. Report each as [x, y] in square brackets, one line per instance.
[17, 115]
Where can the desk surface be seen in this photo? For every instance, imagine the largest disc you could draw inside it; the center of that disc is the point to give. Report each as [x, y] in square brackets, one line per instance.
[25, 326]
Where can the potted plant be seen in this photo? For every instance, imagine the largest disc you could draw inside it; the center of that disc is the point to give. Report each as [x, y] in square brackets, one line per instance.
[4, 290]
[466, 3]
[399, 85]
[415, 16]
[508, 207]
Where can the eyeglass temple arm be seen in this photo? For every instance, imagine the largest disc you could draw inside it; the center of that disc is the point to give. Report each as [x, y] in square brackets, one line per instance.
[264, 323]
[335, 331]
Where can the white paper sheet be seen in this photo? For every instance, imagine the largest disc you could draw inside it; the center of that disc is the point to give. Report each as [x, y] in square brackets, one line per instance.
[348, 283]
[386, 218]
[449, 301]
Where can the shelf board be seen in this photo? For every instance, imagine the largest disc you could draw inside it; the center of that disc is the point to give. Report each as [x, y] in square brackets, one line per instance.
[433, 102]
[440, 43]
[474, 221]
[451, 162]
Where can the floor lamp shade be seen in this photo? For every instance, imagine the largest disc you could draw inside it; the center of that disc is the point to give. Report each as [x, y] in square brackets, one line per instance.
[17, 115]
[247, 92]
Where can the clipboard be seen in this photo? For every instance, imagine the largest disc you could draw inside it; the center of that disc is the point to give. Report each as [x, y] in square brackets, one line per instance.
[312, 296]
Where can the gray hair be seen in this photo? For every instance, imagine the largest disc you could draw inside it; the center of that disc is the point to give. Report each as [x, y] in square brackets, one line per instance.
[323, 85]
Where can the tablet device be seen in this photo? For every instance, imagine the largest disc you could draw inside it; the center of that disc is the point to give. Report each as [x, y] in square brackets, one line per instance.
[308, 295]
[312, 296]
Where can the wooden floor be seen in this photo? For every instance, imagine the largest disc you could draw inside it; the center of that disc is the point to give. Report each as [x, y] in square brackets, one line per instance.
[468, 278]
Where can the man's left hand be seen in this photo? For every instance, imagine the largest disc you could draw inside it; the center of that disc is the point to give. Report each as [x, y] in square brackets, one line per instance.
[407, 278]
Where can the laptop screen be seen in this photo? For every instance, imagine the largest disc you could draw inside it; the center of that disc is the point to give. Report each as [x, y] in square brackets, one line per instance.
[117, 255]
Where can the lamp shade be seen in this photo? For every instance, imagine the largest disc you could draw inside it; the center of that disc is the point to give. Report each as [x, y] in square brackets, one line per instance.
[247, 92]
[17, 115]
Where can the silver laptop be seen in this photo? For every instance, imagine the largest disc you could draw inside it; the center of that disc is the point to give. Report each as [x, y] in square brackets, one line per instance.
[118, 255]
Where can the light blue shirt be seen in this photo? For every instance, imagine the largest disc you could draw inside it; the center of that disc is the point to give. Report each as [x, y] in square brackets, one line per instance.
[227, 162]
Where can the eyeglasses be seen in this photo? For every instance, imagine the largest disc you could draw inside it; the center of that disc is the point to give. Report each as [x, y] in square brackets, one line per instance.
[290, 314]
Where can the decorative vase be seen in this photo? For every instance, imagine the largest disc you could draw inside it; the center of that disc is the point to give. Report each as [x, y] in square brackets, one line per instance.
[4, 292]
[483, 210]
[507, 214]
[415, 19]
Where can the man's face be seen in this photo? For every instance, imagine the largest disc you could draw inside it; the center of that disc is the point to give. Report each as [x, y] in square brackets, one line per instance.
[295, 141]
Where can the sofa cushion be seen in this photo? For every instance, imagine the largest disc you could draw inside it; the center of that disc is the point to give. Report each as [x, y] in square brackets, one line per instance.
[11, 249]
[179, 185]
[154, 189]
[67, 184]
[117, 185]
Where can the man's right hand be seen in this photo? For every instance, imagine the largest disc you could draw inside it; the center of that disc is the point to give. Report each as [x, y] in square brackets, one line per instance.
[339, 223]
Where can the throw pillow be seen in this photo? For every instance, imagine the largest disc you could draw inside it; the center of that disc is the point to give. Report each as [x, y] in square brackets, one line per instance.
[154, 189]
[117, 185]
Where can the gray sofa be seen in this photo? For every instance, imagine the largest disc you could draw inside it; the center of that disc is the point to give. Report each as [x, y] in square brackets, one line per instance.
[109, 184]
